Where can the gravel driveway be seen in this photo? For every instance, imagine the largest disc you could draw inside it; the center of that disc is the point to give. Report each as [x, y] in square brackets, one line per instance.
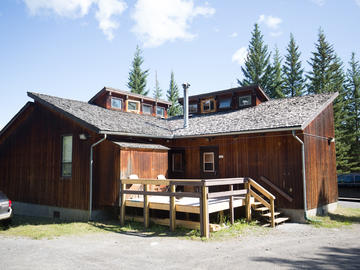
[288, 246]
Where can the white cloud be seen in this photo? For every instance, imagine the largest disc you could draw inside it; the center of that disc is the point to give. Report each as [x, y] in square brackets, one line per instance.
[270, 21]
[276, 34]
[234, 35]
[157, 22]
[320, 3]
[106, 10]
[240, 56]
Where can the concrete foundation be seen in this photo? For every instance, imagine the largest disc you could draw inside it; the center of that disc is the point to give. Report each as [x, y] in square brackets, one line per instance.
[37, 210]
[297, 215]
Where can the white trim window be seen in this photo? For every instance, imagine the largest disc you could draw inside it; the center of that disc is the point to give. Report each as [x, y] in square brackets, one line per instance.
[225, 103]
[244, 101]
[193, 108]
[116, 103]
[208, 162]
[160, 111]
[146, 109]
[133, 106]
[66, 155]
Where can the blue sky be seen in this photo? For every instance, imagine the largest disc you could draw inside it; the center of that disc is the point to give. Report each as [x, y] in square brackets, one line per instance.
[72, 48]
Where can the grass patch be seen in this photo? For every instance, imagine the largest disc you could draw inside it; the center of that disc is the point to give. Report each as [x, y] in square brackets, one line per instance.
[339, 218]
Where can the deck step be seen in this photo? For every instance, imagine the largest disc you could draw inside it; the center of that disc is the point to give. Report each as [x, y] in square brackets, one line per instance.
[262, 209]
[269, 214]
[256, 203]
[281, 220]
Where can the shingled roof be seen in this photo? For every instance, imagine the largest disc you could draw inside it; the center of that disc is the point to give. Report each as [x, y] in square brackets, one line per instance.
[273, 115]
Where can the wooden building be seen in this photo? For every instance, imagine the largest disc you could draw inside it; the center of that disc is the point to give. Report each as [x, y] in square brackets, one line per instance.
[61, 157]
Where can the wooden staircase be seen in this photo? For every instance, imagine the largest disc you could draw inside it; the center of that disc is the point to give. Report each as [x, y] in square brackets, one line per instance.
[263, 204]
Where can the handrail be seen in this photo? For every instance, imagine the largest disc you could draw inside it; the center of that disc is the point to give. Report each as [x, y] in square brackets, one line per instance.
[276, 188]
[261, 189]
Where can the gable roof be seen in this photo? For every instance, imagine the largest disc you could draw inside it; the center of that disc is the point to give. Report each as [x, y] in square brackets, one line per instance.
[127, 145]
[273, 115]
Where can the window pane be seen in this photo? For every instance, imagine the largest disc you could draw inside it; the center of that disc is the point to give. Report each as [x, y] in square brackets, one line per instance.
[209, 166]
[67, 149]
[208, 157]
[66, 169]
[116, 103]
[192, 108]
[147, 109]
[132, 106]
[160, 111]
[206, 105]
[244, 101]
[225, 103]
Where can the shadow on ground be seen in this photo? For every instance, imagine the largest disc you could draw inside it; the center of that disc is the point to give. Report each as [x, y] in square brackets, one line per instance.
[327, 258]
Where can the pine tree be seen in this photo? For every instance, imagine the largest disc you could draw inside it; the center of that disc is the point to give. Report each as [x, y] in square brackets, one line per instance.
[137, 77]
[173, 96]
[321, 64]
[352, 87]
[294, 82]
[257, 68]
[275, 88]
[157, 91]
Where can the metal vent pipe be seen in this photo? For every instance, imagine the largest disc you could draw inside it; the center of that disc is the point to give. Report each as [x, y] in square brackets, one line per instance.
[186, 104]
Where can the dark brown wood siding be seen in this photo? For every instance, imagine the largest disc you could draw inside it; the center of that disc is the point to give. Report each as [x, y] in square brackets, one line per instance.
[277, 156]
[30, 160]
[320, 160]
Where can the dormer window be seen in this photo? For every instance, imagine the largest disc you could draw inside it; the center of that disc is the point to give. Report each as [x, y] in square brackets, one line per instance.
[146, 109]
[160, 111]
[208, 105]
[116, 103]
[225, 103]
[193, 108]
[133, 106]
[244, 101]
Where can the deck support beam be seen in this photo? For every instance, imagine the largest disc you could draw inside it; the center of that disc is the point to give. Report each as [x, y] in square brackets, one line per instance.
[146, 207]
[204, 213]
[172, 209]
[248, 202]
[231, 206]
[122, 204]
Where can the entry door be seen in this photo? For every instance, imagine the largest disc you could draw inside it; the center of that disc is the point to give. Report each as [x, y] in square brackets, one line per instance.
[209, 161]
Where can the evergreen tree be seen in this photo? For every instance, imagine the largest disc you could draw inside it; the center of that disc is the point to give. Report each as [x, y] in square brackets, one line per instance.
[294, 82]
[257, 68]
[137, 77]
[157, 90]
[352, 86]
[321, 64]
[275, 88]
[173, 96]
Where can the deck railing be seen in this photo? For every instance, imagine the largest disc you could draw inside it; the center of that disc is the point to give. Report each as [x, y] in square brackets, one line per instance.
[202, 193]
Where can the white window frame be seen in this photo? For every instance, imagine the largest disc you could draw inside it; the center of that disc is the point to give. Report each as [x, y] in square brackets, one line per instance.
[243, 97]
[223, 100]
[63, 158]
[163, 111]
[147, 105]
[213, 161]
[137, 105]
[117, 99]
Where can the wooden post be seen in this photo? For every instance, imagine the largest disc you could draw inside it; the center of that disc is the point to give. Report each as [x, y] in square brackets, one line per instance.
[146, 207]
[272, 213]
[204, 213]
[172, 209]
[122, 204]
[231, 206]
[248, 202]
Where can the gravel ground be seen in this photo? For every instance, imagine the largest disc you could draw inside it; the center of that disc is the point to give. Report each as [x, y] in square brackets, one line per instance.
[289, 246]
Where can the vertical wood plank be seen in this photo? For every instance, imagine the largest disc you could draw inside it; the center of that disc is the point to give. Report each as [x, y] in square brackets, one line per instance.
[122, 205]
[172, 209]
[146, 207]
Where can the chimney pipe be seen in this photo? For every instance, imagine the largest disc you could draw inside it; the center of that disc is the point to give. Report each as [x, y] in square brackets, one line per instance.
[186, 104]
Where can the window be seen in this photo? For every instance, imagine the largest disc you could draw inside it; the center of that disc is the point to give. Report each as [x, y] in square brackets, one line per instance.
[146, 109]
[116, 103]
[66, 156]
[192, 108]
[225, 103]
[160, 111]
[208, 162]
[133, 106]
[244, 101]
[177, 162]
[208, 105]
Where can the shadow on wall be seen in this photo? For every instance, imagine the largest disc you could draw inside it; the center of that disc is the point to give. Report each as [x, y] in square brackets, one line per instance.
[327, 258]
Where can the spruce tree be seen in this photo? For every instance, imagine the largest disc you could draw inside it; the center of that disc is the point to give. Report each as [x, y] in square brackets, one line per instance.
[257, 68]
[173, 96]
[294, 82]
[352, 87]
[137, 77]
[321, 66]
[157, 90]
[275, 89]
